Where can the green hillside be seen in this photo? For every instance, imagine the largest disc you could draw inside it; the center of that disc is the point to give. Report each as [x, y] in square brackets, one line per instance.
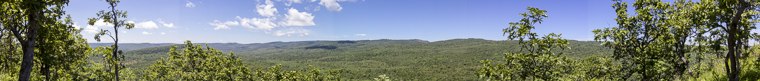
[455, 59]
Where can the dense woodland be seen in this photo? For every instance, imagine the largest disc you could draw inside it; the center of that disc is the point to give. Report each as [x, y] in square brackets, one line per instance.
[455, 59]
[652, 40]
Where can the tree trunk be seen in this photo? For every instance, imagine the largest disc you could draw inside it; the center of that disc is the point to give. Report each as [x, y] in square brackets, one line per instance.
[733, 31]
[115, 50]
[734, 72]
[28, 45]
[45, 70]
[26, 62]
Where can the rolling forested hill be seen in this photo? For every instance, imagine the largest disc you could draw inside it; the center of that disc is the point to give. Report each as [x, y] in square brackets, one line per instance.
[455, 59]
[131, 46]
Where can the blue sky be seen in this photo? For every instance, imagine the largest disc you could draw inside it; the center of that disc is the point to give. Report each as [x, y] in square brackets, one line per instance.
[259, 21]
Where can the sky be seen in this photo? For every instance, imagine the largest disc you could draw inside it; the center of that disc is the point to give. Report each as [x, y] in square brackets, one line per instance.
[261, 21]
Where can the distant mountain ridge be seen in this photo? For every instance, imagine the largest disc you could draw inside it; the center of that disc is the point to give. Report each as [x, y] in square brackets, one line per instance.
[131, 46]
[230, 46]
[410, 59]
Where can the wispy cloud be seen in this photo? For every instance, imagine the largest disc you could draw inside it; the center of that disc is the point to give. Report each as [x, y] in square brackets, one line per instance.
[361, 35]
[331, 5]
[145, 25]
[223, 25]
[95, 28]
[292, 32]
[190, 4]
[165, 24]
[291, 2]
[146, 33]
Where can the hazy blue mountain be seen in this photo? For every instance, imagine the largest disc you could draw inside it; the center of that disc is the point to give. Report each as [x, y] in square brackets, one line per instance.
[131, 46]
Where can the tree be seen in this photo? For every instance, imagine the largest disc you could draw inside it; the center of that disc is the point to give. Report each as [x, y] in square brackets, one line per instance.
[60, 48]
[95, 68]
[276, 73]
[596, 68]
[728, 24]
[660, 41]
[538, 61]
[194, 62]
[23, 18]
[647, 44]
[112, 16]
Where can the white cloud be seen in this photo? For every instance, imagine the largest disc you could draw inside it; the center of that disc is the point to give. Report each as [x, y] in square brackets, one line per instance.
[292, 32]
[189, 4]
[90, 29]
[100, 23]
[295, 1]
[165, 24]
[223, 25]
[266, 10]
[95, 27]
[163, 33]
[145, 25]
[146, 33]
[331, 5]
[289, 22]
[296, 18]
[290, 2]
[257, 23]
[361, 35]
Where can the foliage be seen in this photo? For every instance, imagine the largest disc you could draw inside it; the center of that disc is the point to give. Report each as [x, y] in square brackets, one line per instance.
[112, 16]
[597, 68]
[539, 63]
[729, 24]
[24, 19]
[650, 44]
[382, 78]
[455, 59]
[196, 63]
[663, 40]
[275, 73]
[60, 48]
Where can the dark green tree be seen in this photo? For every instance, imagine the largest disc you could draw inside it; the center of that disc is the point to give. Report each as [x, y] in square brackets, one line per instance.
[23, 19]
[728, 23]
[662, 39]
[60, 48]
[648, 44]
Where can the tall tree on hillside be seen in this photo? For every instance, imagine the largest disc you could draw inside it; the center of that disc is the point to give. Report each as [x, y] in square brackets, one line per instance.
[112, 16]
[23, 18]
[726, 26]
[650, 44]
[657, 42]
[537, 61]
